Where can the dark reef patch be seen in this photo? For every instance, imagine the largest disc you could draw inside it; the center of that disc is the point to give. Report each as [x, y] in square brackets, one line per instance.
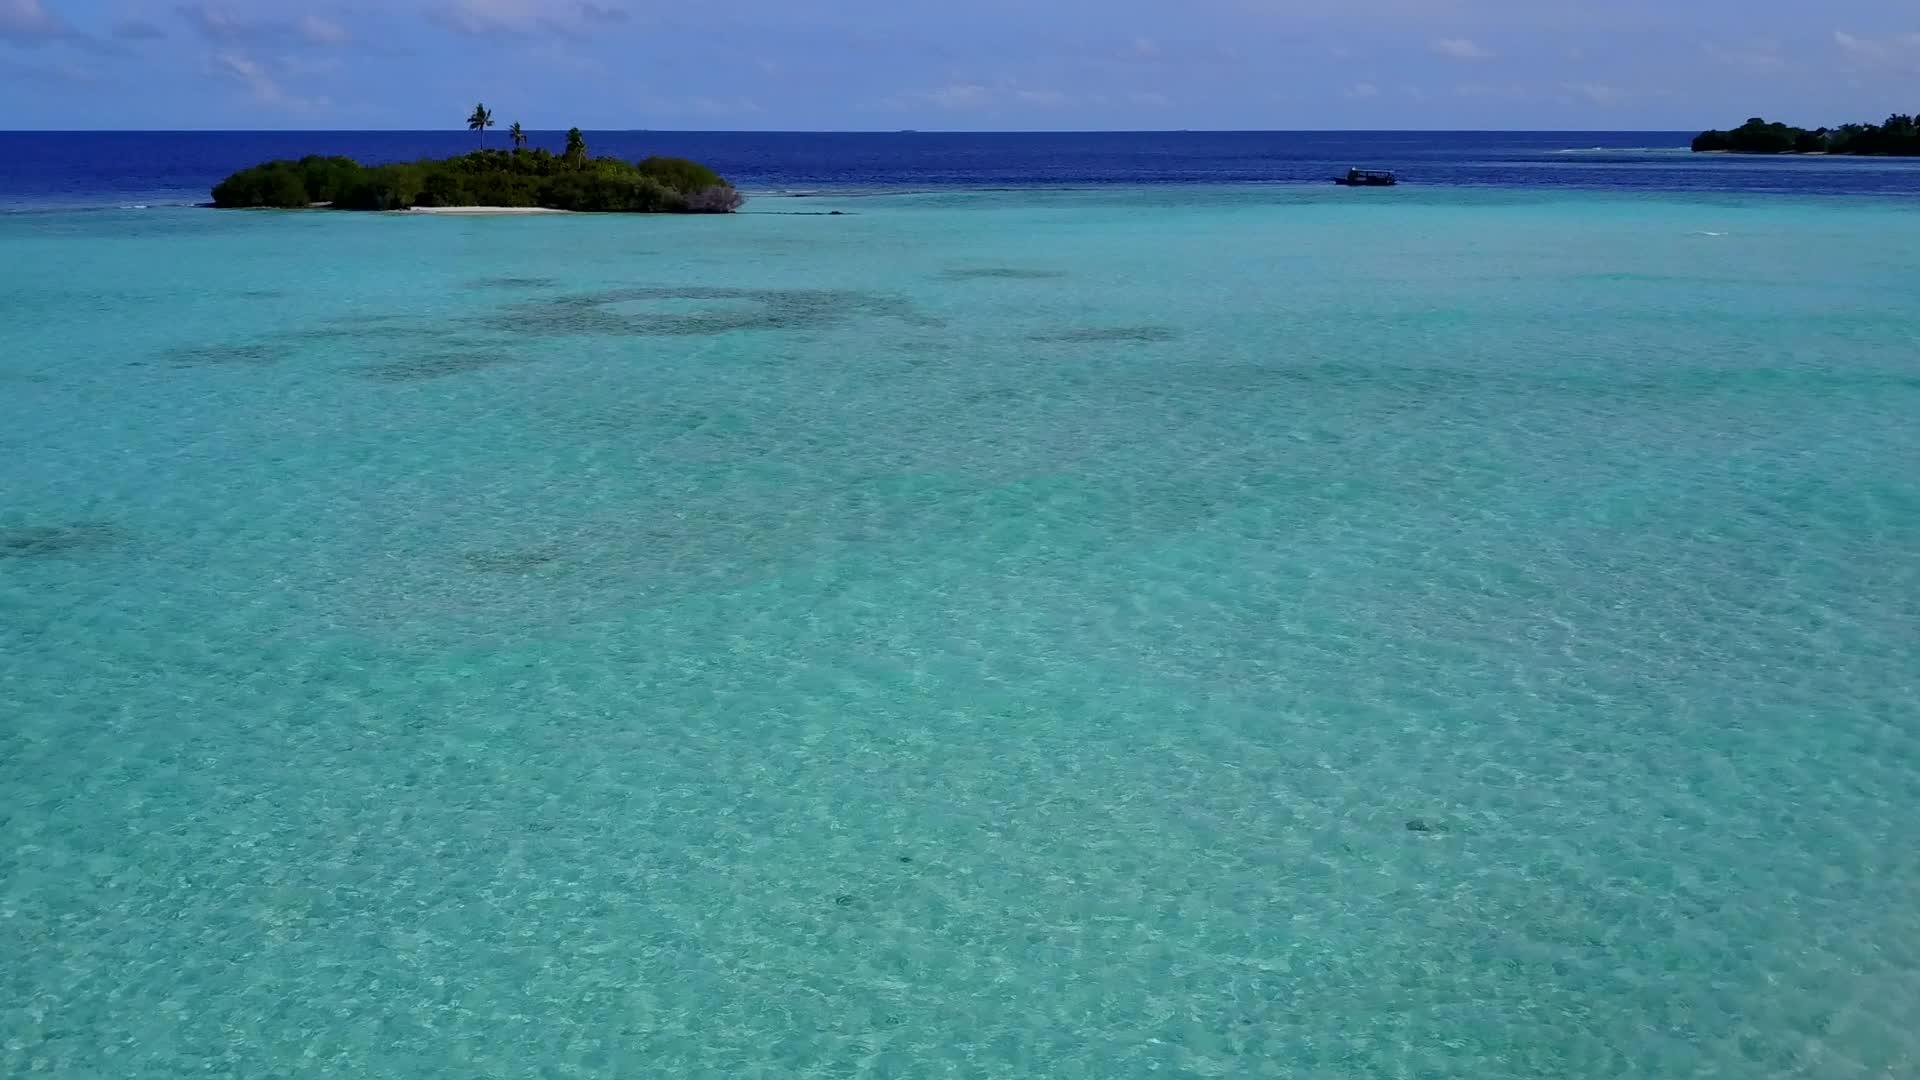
[353, 326]
[1248, 378]
[56, 541]
[601, 314]
[510, 562]
[510, 282]
[1104, 335]
[257, 354]
[376, 330]
[1002, 273]
[433, 366]
[349, 329]
[924, 353]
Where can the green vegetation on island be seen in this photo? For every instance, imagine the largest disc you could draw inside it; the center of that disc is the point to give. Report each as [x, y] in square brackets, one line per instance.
[513, 178]
[520, 178]
[1898, 137]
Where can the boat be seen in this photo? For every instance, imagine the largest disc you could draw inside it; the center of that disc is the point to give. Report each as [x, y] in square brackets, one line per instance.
[1367, 178]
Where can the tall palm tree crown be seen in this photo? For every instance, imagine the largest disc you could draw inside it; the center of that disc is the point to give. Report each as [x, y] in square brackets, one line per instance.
[480, 121]
[517, 134]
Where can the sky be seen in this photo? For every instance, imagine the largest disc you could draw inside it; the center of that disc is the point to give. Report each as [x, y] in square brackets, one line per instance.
[978, 65]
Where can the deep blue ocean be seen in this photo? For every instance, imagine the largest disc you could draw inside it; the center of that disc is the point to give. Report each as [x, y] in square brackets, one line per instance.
[108, 169]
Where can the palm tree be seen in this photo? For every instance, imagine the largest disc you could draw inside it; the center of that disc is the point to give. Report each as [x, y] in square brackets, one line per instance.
[517, 134]
[480, 121]
[576, 146]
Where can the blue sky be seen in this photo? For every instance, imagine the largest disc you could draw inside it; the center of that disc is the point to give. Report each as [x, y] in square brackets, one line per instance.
[981, 65]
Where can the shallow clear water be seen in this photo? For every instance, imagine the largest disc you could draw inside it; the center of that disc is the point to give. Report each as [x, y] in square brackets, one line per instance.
[980, 635]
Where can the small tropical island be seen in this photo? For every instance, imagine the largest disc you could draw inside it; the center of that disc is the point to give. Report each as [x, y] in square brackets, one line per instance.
[1898, 137]
[516, 179]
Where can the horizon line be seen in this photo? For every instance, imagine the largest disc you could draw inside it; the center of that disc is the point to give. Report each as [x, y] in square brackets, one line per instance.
[861, 131]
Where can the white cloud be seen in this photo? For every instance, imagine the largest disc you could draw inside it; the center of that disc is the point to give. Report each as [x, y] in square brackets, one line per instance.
[137, 30]
[1861, 47]
[1899, 50]
[30, 21]
[1757, 57]
[601, 13]
[214, 23]
[1399, 11]
[962, 96]
[1461, 49]
[223, 25]
[56, 72]
[244, 70]
[1145, 48]
[261, 84]
[1493, 91]
[1044, 99]
[477, 18]
[1597, 93]
[971, 96]
[706, 106]
[318, 31]
[1362, 91]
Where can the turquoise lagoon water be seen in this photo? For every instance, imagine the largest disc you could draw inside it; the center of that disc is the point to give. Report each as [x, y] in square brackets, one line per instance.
[1079, 634]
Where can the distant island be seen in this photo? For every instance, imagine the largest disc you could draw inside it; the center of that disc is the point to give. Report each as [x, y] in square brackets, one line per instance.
[517, 179]
[1898, 137]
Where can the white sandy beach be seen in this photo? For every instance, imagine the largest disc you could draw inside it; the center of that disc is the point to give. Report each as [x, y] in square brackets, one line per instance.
[483, 211]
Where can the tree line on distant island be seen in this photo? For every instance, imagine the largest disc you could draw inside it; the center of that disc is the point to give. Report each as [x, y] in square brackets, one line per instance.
[1898, 137]
[570, 180]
